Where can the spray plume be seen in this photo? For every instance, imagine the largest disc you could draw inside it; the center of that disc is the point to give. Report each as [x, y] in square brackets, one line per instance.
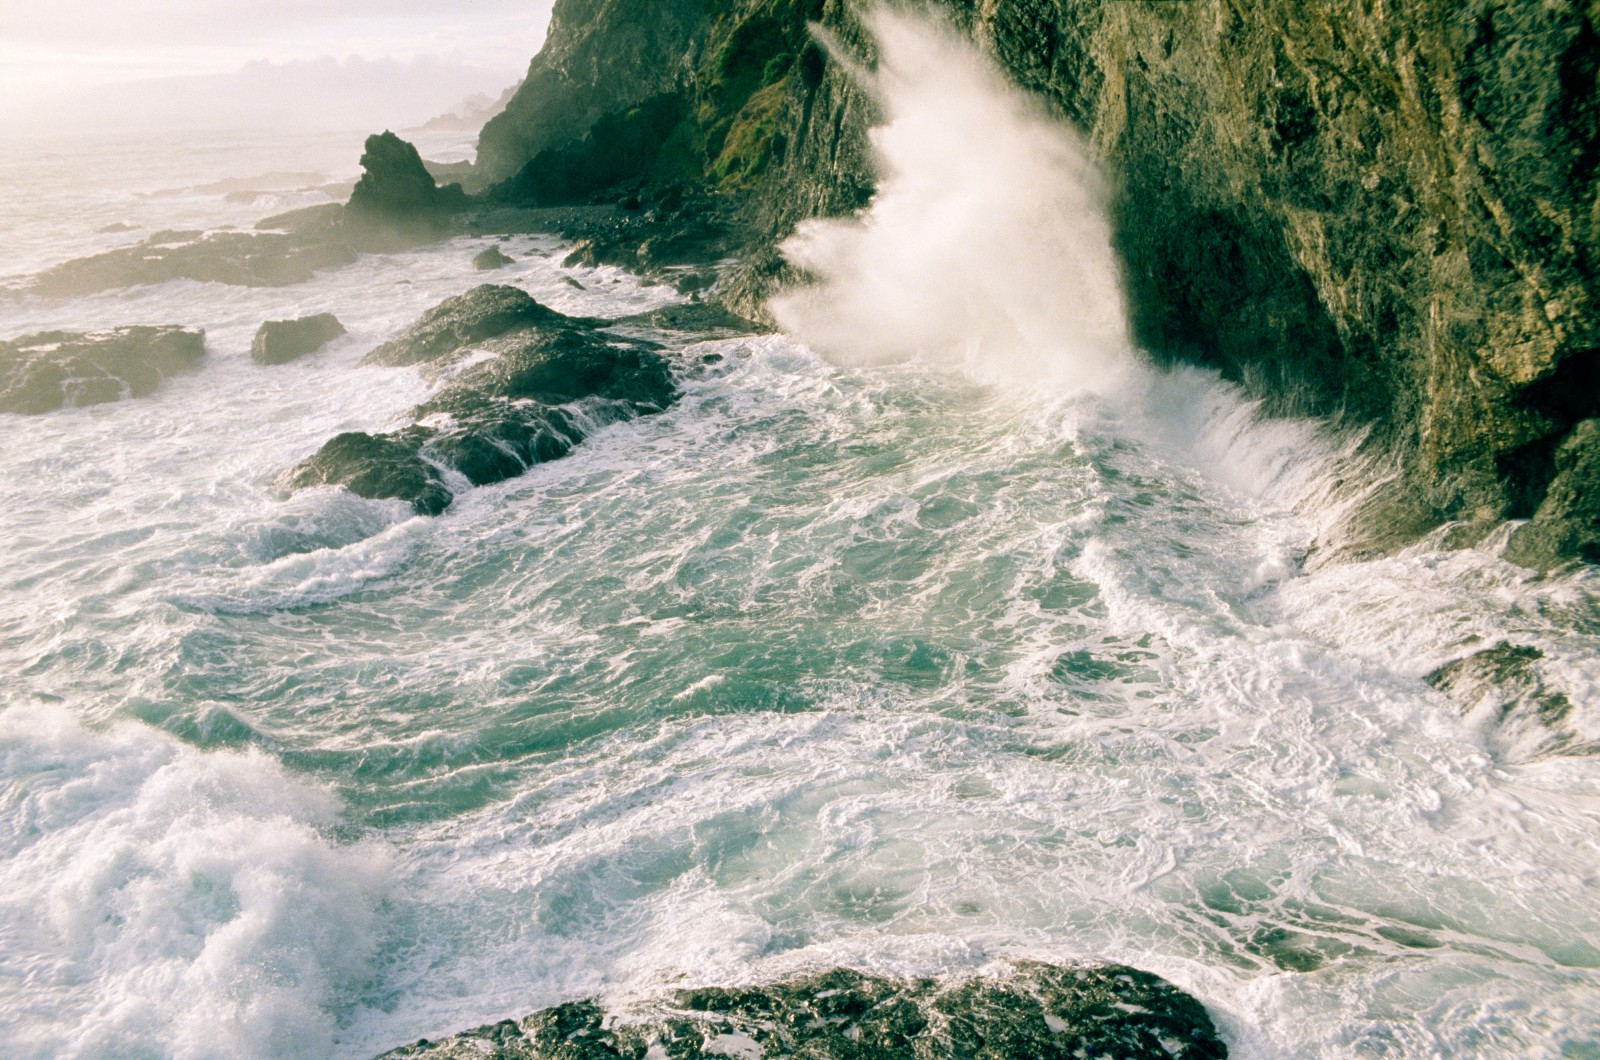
[986, 246]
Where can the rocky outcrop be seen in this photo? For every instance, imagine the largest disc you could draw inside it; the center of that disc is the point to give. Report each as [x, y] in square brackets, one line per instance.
[282, 341]
[1384, 212]
[1035, 1010]
[244, 259]
[60, 369]
[1567, 521]
[396, 202]
[549, 382]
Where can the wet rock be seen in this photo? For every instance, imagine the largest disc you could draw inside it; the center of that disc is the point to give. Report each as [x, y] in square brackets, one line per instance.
[236, 258]
[170, 236]
[1035, 1011]
[1567, 521]
[706, 319]
[115, 227]
[479, 314]
[396, 202]
[281, 341]
[324, 219]
[1506, 689]
[549, 381]
[490, 259]
[60, 369]
[378, 466]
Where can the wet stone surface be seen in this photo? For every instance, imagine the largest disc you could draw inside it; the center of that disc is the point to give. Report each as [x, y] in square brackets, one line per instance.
[548, 381]
[62, 369]
[1033, 1010]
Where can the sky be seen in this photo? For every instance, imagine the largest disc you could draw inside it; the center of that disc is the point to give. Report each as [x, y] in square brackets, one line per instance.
[58, 56]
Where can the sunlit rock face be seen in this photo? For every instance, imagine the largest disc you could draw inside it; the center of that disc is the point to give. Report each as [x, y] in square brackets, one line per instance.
[1384, 211]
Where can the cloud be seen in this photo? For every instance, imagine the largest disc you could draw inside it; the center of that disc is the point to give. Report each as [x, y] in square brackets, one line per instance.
[169, 23]
[317, 94]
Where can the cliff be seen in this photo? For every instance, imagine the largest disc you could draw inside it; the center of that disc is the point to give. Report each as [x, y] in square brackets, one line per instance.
[1387, 212]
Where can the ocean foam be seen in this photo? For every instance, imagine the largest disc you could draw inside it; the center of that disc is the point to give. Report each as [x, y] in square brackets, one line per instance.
[158, 900]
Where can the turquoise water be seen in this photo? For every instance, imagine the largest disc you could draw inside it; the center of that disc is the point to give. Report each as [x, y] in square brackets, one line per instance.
[879, 666]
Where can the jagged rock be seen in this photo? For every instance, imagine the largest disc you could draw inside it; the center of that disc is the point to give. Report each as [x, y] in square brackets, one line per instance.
[1037, 1011]
[479, 314]
[237, 258]
[60, 369]
[281, 341]
[490, 259]
[496, 418]
[1567, 522]
[396, 202]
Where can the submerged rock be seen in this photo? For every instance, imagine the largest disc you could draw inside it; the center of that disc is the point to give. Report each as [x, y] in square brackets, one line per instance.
[1036, 1011]
[550, 380]
[61, 369]
[281, 341]
[1505, 688]
[493, 258]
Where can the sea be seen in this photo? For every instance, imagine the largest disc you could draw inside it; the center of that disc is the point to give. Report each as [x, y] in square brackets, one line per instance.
[897, 661]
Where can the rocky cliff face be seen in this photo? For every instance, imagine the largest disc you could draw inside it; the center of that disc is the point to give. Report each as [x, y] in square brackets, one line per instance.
[1383, 210]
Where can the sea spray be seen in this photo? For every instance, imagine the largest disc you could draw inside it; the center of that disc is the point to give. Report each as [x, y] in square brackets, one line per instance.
[986, 246]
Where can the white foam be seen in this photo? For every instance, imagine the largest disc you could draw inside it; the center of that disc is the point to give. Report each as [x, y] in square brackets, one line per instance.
[157, 900]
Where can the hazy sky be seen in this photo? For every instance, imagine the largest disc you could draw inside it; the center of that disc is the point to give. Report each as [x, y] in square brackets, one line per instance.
[50, 48]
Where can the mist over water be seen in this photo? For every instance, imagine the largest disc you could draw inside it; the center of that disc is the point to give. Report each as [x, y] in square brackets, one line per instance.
[973, 639]
[986, 246]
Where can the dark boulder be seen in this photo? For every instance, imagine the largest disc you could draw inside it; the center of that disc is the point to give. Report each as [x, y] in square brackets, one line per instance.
[551, 381]
[1038, 1011]
[396, 202]
[480, 314]
[281, 341]
[556, 365]
[60, 369]
[490, 259]
[378, 466]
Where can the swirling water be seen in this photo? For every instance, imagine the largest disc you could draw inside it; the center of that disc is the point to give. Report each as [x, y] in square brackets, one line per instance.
[877, 665]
